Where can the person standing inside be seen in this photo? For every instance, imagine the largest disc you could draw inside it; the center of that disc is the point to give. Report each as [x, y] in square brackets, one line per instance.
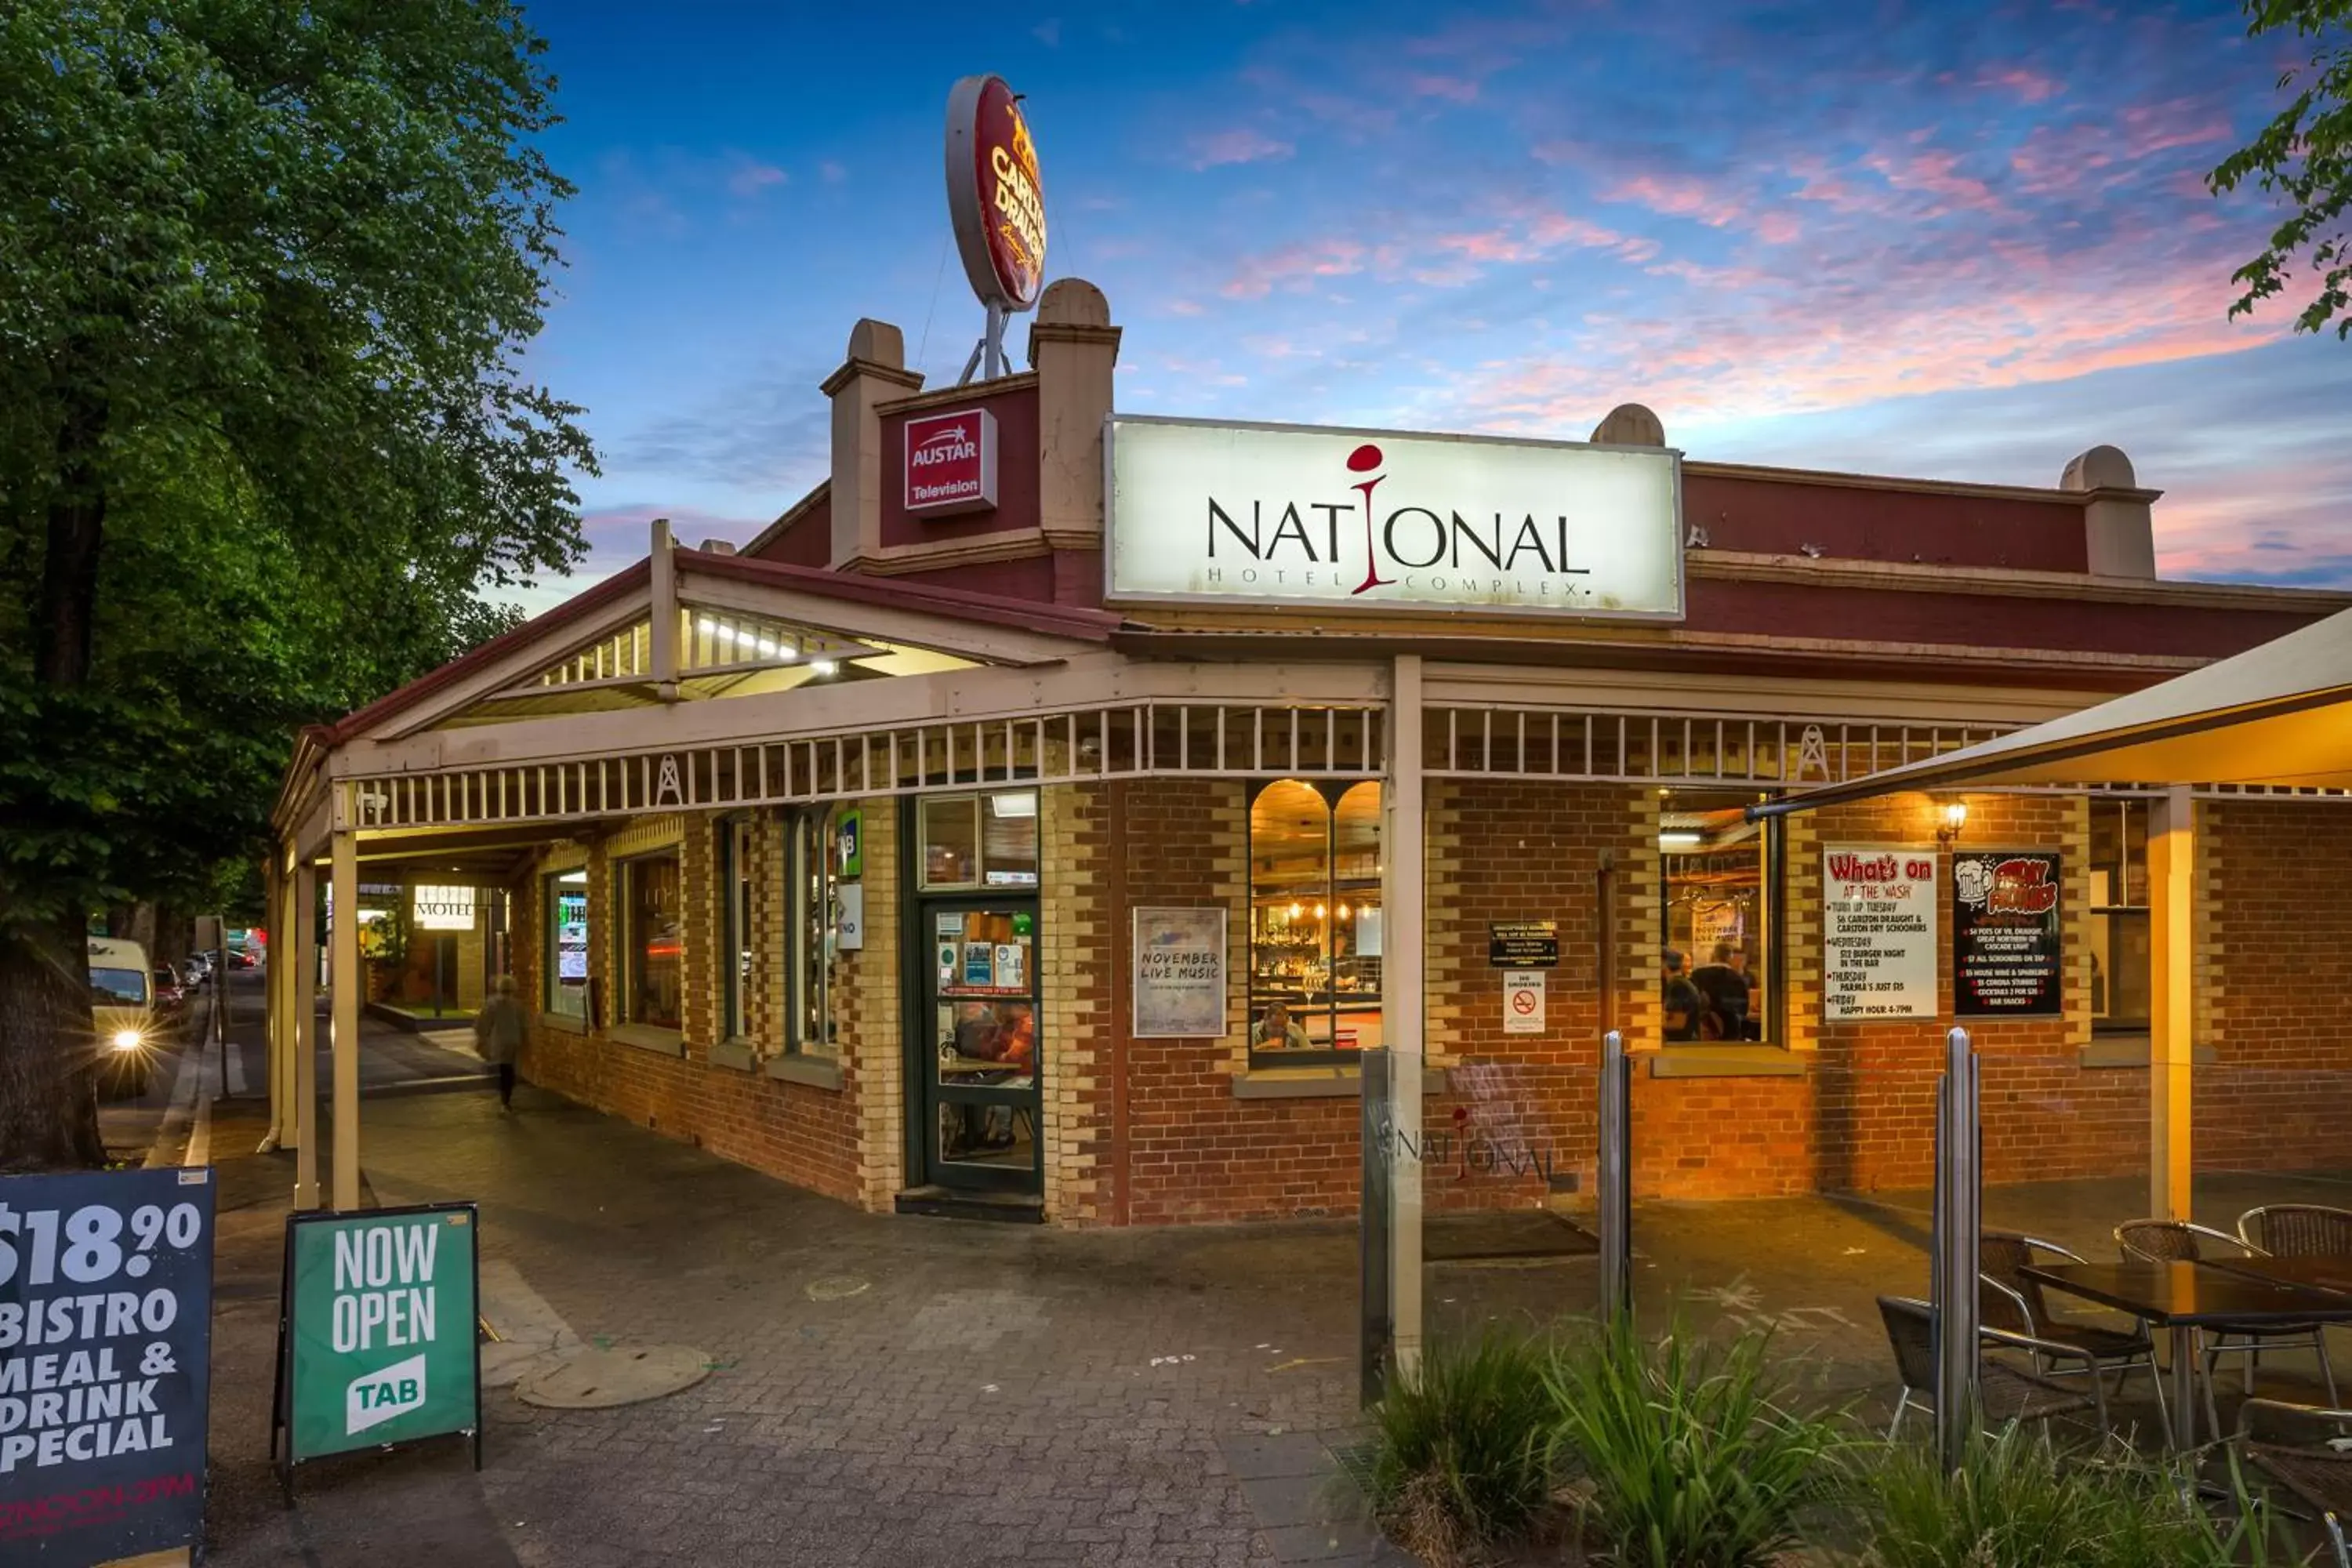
[1684, 1008]
[498, 1036]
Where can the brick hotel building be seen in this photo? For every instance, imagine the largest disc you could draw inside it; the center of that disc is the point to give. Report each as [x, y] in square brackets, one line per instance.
[839, 854]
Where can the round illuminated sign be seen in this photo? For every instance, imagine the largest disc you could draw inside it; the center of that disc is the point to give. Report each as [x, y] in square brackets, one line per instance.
[995, 195]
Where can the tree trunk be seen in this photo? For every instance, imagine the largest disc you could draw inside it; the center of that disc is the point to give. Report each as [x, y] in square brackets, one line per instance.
[48, 1091]
[49, 1053]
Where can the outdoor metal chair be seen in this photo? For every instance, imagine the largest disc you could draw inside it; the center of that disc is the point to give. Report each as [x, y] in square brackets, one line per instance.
[2009, 1301]
[2307, 1449]
[2181, 1241]
[2297, 1230]
[2004, 1395]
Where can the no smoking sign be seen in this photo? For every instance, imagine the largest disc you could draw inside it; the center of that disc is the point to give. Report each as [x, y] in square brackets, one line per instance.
[1523, 1000]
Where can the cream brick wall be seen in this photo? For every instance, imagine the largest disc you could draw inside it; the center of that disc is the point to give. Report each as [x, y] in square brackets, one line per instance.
[872, 1027]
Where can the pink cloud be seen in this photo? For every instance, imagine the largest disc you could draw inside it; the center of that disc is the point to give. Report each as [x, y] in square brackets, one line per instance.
[2027, 84]
[1458, 89]
[750, 177]
[1241, 145]
[1293, 266]
[1936, 173]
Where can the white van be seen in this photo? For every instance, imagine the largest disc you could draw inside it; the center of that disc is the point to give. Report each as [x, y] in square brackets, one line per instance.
[130, 1032]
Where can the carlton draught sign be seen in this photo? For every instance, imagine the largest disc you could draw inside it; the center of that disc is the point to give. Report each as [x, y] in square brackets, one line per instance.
[1376, 521]
[996, 196]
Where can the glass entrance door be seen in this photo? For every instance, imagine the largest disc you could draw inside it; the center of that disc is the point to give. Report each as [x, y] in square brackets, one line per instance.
[977, 1044]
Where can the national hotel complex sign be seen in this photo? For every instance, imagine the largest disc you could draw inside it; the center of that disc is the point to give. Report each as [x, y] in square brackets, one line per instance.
[1374, 521]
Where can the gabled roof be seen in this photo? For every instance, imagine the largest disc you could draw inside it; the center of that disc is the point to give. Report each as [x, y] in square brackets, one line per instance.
[546, 640]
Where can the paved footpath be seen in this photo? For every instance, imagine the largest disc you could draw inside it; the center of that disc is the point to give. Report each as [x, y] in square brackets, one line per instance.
[903, 1392]
[885, 1390]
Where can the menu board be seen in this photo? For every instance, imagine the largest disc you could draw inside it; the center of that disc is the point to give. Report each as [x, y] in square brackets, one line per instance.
[1878, 933]
[2006, 948]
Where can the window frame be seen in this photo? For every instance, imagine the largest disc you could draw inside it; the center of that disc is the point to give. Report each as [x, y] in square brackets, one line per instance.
[1771, 912]
[1334, 1054]
[736, 859]
[810, 838]
[2119, 911]
[625, 876]
[980, 883]
[553, 885]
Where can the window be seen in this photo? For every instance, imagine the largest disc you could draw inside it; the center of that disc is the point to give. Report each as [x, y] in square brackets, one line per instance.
[1716, 972]
[735, 857]
[565, 984]
[2118, 918]
[652, 940]
[813, 955]
[1315, 921]
[979, 841]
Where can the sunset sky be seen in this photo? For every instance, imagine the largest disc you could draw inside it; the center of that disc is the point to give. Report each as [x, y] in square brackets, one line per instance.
[1951, 241]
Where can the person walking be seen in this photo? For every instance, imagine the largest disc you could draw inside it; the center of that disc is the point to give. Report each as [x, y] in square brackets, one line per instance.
[498, 1036]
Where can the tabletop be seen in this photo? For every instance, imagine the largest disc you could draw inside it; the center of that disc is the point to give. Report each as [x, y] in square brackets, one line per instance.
[2192, 1295]
[2313, 1273]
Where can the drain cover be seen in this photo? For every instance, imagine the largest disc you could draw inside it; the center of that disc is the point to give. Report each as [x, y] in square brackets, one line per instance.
[625, 1374]
[835, 1287]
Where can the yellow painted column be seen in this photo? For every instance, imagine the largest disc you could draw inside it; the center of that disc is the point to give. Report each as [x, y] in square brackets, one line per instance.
[344, 976]
[303, 951]
[2172, 1017]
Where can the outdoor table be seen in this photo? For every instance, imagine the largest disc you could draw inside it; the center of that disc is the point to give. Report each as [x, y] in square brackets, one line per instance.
[2185, 1297]
[2312, 1273]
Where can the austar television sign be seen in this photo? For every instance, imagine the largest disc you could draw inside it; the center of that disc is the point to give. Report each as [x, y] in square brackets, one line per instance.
[1378, 520]
[950, 462]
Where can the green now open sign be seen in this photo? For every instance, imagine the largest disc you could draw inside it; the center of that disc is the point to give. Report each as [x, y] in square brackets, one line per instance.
[377, 1343]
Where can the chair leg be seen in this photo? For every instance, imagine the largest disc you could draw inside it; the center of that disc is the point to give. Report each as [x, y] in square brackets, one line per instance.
[2155, 1376]
[1901, 1405]
[2335, 1537]
[2098, 1396]
[2326, 1370]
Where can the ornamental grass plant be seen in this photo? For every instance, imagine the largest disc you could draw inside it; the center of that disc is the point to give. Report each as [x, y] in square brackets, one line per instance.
[1459, 1454]
[1682, 1454]
[2018, 1500]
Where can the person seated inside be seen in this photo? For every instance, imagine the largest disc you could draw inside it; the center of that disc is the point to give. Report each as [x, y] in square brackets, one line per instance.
[1275, 1030]
[1686, 1008]
[1723, 982]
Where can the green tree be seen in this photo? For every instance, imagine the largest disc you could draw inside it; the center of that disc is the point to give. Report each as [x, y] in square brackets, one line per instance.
[266, 276]
[2304, 156]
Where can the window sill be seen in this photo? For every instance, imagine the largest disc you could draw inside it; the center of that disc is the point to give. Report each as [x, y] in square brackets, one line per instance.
[817, 1072]
[646, 1037]
[2135, 1051]
[736, 1054]
[1317, 1083]
[1725, 1061]
[563, 1022]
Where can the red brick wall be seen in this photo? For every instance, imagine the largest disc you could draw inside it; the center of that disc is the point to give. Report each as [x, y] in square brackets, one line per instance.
[803, 1134]
[2277, 930]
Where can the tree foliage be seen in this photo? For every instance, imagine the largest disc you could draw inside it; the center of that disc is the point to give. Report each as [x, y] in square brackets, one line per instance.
[2304, 157]
[267, 274]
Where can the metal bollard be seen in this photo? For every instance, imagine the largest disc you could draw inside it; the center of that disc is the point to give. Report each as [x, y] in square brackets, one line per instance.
[1615, 1178]
[1953, 1259]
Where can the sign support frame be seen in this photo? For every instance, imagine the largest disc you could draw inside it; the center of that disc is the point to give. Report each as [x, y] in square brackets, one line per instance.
[281, 1403]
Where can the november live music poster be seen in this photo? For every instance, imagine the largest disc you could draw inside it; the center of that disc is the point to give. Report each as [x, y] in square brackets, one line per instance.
[2006, 959]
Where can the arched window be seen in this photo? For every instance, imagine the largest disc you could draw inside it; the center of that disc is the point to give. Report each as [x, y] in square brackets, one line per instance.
[1315, 921]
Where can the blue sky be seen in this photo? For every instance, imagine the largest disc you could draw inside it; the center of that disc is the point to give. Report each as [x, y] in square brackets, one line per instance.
[1954, 241]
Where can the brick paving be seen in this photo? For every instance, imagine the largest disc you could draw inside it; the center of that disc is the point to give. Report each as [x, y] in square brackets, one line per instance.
[903, 1391]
